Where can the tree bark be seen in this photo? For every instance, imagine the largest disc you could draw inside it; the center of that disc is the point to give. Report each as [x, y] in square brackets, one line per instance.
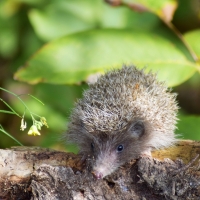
[38, 174]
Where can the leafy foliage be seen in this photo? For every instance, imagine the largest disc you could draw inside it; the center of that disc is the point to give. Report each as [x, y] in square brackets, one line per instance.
[59, 44]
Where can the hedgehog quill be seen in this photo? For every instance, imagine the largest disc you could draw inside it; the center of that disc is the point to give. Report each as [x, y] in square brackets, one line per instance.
[125, 114]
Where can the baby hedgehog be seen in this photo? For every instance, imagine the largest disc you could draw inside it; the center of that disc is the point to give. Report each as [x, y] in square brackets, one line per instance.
[124, 114]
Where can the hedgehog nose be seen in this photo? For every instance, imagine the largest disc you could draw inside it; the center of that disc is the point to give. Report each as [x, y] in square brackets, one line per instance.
[97, 175]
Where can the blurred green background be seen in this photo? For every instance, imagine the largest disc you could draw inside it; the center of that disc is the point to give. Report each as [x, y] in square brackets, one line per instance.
[51, 48]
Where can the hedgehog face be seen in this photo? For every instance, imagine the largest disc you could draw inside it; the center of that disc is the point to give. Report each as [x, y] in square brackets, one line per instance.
[110, 151]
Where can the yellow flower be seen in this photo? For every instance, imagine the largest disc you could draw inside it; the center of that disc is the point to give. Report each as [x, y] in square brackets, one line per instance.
[44, 121]
[33, 131]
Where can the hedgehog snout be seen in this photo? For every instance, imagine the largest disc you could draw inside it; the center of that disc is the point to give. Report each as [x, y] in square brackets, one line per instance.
[97, 175]
[105, 163]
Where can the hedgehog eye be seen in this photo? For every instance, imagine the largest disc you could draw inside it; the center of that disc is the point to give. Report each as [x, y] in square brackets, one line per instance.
[92, 146]
[120, 148]
[137, 129]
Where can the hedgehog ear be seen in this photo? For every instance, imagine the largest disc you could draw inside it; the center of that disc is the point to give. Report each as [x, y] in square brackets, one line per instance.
[137, 129]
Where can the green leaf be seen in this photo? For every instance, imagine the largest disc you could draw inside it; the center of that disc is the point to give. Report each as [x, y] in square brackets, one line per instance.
[73, 58]
[59, 18]
[193, 38]
[32, 2]
[164, 9]
[63, 17]
[189, 127]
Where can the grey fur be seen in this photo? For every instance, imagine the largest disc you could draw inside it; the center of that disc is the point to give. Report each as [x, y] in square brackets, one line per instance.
[105, 114]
